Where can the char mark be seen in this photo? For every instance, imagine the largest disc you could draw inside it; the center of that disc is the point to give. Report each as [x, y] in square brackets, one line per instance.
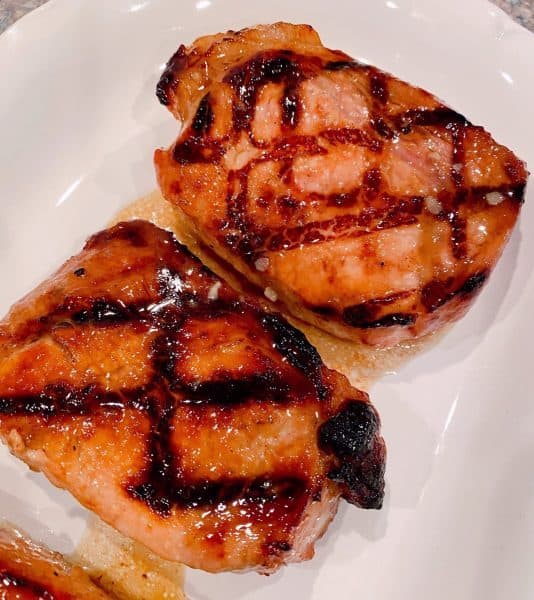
[343, 65]
[105, 312]
[229, 391]
[403, 123]
[168, 78]
[438, 292]
[198, 149]
[379, 86]
[357, 137]
[369, 314]
[203, 119]
[19, 584]
[353, 316]
[352, 436]
[295, 347]
[276, 66]
[261, 493]
[62, 400]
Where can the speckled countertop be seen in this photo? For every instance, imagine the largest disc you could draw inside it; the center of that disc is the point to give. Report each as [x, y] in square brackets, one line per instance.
[11, 10]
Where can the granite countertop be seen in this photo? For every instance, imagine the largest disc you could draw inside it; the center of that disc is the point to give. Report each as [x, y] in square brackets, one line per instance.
[11, 10]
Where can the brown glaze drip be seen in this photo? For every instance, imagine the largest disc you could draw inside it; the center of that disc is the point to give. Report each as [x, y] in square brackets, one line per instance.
[168, 79]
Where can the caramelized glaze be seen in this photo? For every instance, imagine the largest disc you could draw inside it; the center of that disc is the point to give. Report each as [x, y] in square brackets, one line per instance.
[361, 194]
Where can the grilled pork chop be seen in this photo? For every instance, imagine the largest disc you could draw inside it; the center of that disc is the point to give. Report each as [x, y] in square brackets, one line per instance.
[179, 411]
[363, 204]
[28, 572]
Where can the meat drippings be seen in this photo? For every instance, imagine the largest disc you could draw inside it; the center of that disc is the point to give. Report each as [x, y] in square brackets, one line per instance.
[125, 568]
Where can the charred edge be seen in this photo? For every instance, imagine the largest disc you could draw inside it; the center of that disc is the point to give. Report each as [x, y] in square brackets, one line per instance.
[198, 149]
[352, 436]
[515, 192]
[294, 346]
[203, 119]
[168, 78]
[274, 66]
[438, 292]
[438, 117]
[362, 481]
[343, 65]
[11, 580]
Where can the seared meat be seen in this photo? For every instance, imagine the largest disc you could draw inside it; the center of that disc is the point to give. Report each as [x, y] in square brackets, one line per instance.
[179, 411]
[363, 204]
[28, 572]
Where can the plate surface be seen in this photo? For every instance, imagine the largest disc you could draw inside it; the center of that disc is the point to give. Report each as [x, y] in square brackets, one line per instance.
[79, 122]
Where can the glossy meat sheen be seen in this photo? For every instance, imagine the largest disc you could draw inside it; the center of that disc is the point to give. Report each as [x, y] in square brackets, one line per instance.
[28, 572]
[371, 209]
[180, 412]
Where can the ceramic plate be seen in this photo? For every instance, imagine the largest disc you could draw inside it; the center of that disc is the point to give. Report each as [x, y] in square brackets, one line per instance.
[78, 125]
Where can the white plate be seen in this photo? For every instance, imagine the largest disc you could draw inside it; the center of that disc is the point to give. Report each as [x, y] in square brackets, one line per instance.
[78, 124]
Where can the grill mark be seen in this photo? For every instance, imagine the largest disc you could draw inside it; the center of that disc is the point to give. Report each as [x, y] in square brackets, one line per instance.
[295, 347]
[203, 119]
[62, 400]
[196, 149]
[357, 137]
[379, 86]
[161, 485]
[277, 66]
[8, 579]
[262, 496]
[400, 212]
[437, 117]
[438, 292]
[290, 107]
[343, 65]
[176, 63]
[356, 316]
[403, 123]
